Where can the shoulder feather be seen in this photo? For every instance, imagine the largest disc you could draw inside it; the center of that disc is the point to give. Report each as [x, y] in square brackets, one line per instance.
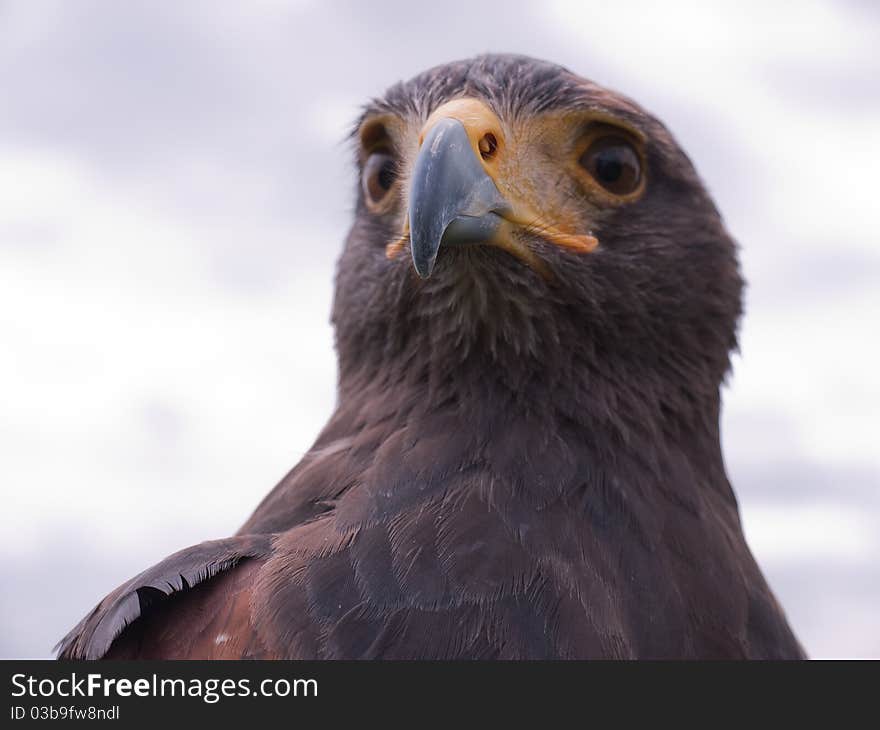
[92, 637]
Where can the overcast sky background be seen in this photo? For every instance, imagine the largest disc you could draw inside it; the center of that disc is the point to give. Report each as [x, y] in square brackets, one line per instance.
[174, 190]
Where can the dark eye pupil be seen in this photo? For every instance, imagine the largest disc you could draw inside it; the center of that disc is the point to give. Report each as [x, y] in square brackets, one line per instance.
[613, 163]
[609, 166]
[380, 173]
[385, 178]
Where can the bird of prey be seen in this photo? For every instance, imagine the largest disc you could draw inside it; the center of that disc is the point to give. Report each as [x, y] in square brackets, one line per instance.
[534, 312]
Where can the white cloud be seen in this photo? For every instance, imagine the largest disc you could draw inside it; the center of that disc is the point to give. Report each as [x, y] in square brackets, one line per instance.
[117, 317]
[805, 533]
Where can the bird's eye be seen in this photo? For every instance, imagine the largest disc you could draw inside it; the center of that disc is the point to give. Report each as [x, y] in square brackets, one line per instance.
[613, 163]
[380, 173]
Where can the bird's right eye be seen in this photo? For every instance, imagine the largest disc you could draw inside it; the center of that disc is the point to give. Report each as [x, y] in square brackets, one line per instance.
[380, 172]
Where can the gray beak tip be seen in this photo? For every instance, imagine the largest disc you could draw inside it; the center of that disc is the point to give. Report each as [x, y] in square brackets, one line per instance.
[449, 190]
[423, 266]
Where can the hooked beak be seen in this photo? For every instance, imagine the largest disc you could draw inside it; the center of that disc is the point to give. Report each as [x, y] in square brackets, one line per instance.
[452, 200]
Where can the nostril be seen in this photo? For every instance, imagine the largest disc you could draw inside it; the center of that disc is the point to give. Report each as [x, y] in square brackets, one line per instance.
[488, 144]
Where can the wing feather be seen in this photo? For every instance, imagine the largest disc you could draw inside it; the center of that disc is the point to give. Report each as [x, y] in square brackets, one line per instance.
[93, 637]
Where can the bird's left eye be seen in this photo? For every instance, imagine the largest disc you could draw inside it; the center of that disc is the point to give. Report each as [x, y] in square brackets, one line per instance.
[612, 162]
[380, 172]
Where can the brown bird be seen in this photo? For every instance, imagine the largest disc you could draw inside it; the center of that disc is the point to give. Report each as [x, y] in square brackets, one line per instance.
[534, 313]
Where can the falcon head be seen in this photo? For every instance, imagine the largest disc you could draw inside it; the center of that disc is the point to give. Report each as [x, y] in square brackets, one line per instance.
[516, 218]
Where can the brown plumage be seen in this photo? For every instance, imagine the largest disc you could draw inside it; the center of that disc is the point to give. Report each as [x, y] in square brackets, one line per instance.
[524, 461]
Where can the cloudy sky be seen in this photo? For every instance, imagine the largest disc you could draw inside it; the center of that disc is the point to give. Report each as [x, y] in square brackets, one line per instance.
[174, 189]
